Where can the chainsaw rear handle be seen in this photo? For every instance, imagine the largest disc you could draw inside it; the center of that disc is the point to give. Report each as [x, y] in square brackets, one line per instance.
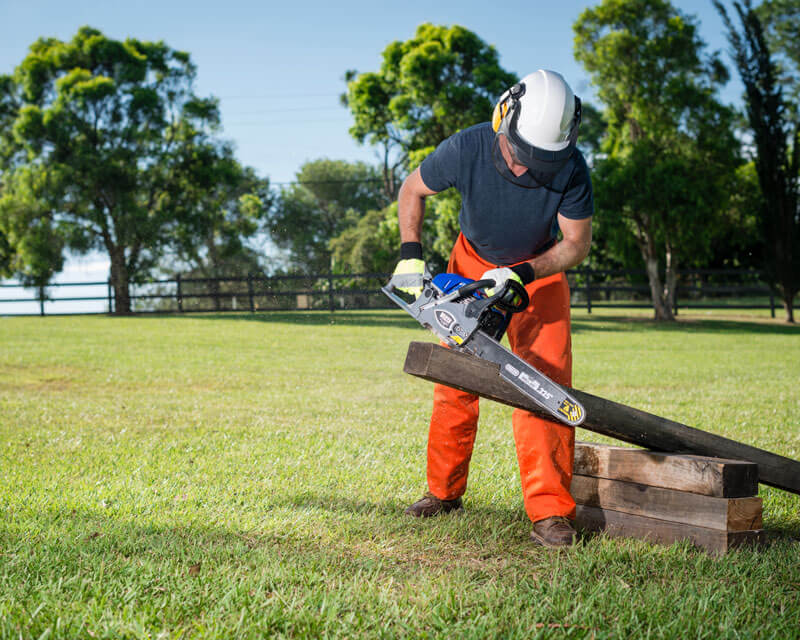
[511, 290]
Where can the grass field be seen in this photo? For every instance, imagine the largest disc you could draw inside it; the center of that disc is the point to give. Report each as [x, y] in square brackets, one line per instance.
[244, 476]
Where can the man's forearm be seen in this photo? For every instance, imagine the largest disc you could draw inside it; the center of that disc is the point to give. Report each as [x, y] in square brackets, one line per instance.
[410, 212]
[560, 257]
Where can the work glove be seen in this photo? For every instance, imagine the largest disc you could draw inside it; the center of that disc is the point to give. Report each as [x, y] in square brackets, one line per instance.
[500, 276]
[522, 273]
[408, 276]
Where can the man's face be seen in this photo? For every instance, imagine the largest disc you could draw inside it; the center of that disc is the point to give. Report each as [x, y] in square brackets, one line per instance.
[508, 155]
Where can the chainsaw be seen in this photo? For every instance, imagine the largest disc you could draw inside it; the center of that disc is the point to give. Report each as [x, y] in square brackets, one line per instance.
[461, 313]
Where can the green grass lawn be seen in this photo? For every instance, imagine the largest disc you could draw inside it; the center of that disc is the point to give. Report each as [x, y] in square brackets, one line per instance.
[244, 476]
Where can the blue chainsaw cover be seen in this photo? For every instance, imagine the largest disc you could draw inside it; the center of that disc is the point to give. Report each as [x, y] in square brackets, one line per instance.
[448, 282]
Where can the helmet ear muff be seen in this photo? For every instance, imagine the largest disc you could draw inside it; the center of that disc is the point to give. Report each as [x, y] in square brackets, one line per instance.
[508, 100]
[500, 111]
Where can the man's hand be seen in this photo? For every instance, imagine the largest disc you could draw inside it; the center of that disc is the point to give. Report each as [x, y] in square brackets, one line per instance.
[500, 276]
[408, 276]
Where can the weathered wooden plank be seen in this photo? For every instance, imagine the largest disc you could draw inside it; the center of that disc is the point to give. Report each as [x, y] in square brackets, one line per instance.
[462, 371]
[728, 514]
[696, 474]
[625, 525]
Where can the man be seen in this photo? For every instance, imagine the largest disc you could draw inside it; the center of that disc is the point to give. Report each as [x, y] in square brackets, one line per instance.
[521, 180]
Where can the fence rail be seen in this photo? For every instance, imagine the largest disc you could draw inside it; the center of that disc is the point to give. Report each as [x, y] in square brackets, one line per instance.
[591, 288]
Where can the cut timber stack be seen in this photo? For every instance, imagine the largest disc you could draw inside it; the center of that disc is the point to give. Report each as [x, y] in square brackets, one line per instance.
[666, 497]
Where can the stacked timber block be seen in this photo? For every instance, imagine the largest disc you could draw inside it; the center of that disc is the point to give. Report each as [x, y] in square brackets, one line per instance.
[666, 497]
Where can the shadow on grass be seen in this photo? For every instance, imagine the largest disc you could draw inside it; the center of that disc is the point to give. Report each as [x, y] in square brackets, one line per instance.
[80, 537]
[380, 541]
[685, 325]
[398, 319]
[387, 319]
[337, 503]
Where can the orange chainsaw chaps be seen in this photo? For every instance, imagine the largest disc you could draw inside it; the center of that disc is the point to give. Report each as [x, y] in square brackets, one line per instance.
[539, 335]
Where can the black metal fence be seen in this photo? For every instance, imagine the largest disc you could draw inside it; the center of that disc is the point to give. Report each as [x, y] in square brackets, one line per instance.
[697, 289]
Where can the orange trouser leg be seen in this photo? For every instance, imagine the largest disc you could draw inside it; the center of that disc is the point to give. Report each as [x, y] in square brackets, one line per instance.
[541, 336]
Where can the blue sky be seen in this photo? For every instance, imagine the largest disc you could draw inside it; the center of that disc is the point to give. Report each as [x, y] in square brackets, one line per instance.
[278, 67]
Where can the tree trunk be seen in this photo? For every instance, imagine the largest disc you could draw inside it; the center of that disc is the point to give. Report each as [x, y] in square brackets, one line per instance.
[670, 277]
[662, 310]
[120, 281]
[788, 306]
[213, 256]
[647, 245]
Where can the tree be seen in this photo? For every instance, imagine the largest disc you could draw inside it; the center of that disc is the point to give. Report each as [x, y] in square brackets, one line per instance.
[442, 80]
[328, 197]
[593, 131]
[98, 128]
[31, 245]
[776, 138]
[670, 153]
[780, 21]
[221, 205]
[370, 245]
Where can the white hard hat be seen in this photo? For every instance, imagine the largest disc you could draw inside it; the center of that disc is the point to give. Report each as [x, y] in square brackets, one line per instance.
[547, 110]
[539, 117]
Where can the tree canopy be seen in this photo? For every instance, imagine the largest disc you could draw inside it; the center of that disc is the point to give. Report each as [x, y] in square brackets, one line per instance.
[780, 21]
[220, 206]
[442, 80]
[329, 196]
[428, 87]
[775, 128]
[94, 133]
[670, 153]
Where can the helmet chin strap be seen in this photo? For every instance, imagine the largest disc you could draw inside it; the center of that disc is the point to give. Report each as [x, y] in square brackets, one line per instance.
[528, 180]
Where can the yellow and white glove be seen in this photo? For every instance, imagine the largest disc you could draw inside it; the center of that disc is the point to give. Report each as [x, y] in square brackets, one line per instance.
[408, 276]
[500, 276]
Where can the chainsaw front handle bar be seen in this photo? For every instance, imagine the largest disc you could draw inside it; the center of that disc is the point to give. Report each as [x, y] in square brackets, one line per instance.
[472, 287]
[503, 299]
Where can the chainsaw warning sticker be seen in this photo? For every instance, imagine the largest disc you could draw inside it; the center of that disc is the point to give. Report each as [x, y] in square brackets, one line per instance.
[445, 319]
[572, 411]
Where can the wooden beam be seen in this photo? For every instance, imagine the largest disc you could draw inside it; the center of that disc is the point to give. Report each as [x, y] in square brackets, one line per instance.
[468, 373]
[624, 525]
[727, 514]
[695, 474]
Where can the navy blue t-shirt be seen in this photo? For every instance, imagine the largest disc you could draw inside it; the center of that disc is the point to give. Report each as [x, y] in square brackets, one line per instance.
[504, 222]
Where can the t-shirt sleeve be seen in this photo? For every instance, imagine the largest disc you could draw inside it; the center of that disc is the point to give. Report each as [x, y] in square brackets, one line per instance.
[578, 201]
[440, 169]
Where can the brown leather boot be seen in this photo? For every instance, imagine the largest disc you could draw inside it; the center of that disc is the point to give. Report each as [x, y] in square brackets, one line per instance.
[430, 505]
[553, 532]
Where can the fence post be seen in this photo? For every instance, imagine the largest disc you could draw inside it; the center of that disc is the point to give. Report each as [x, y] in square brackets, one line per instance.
[110, 297]
[588, 273]
[179, 293]
[772, 302]
[330, 290]
[41, 300]
[675, 300]
[250, 292]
